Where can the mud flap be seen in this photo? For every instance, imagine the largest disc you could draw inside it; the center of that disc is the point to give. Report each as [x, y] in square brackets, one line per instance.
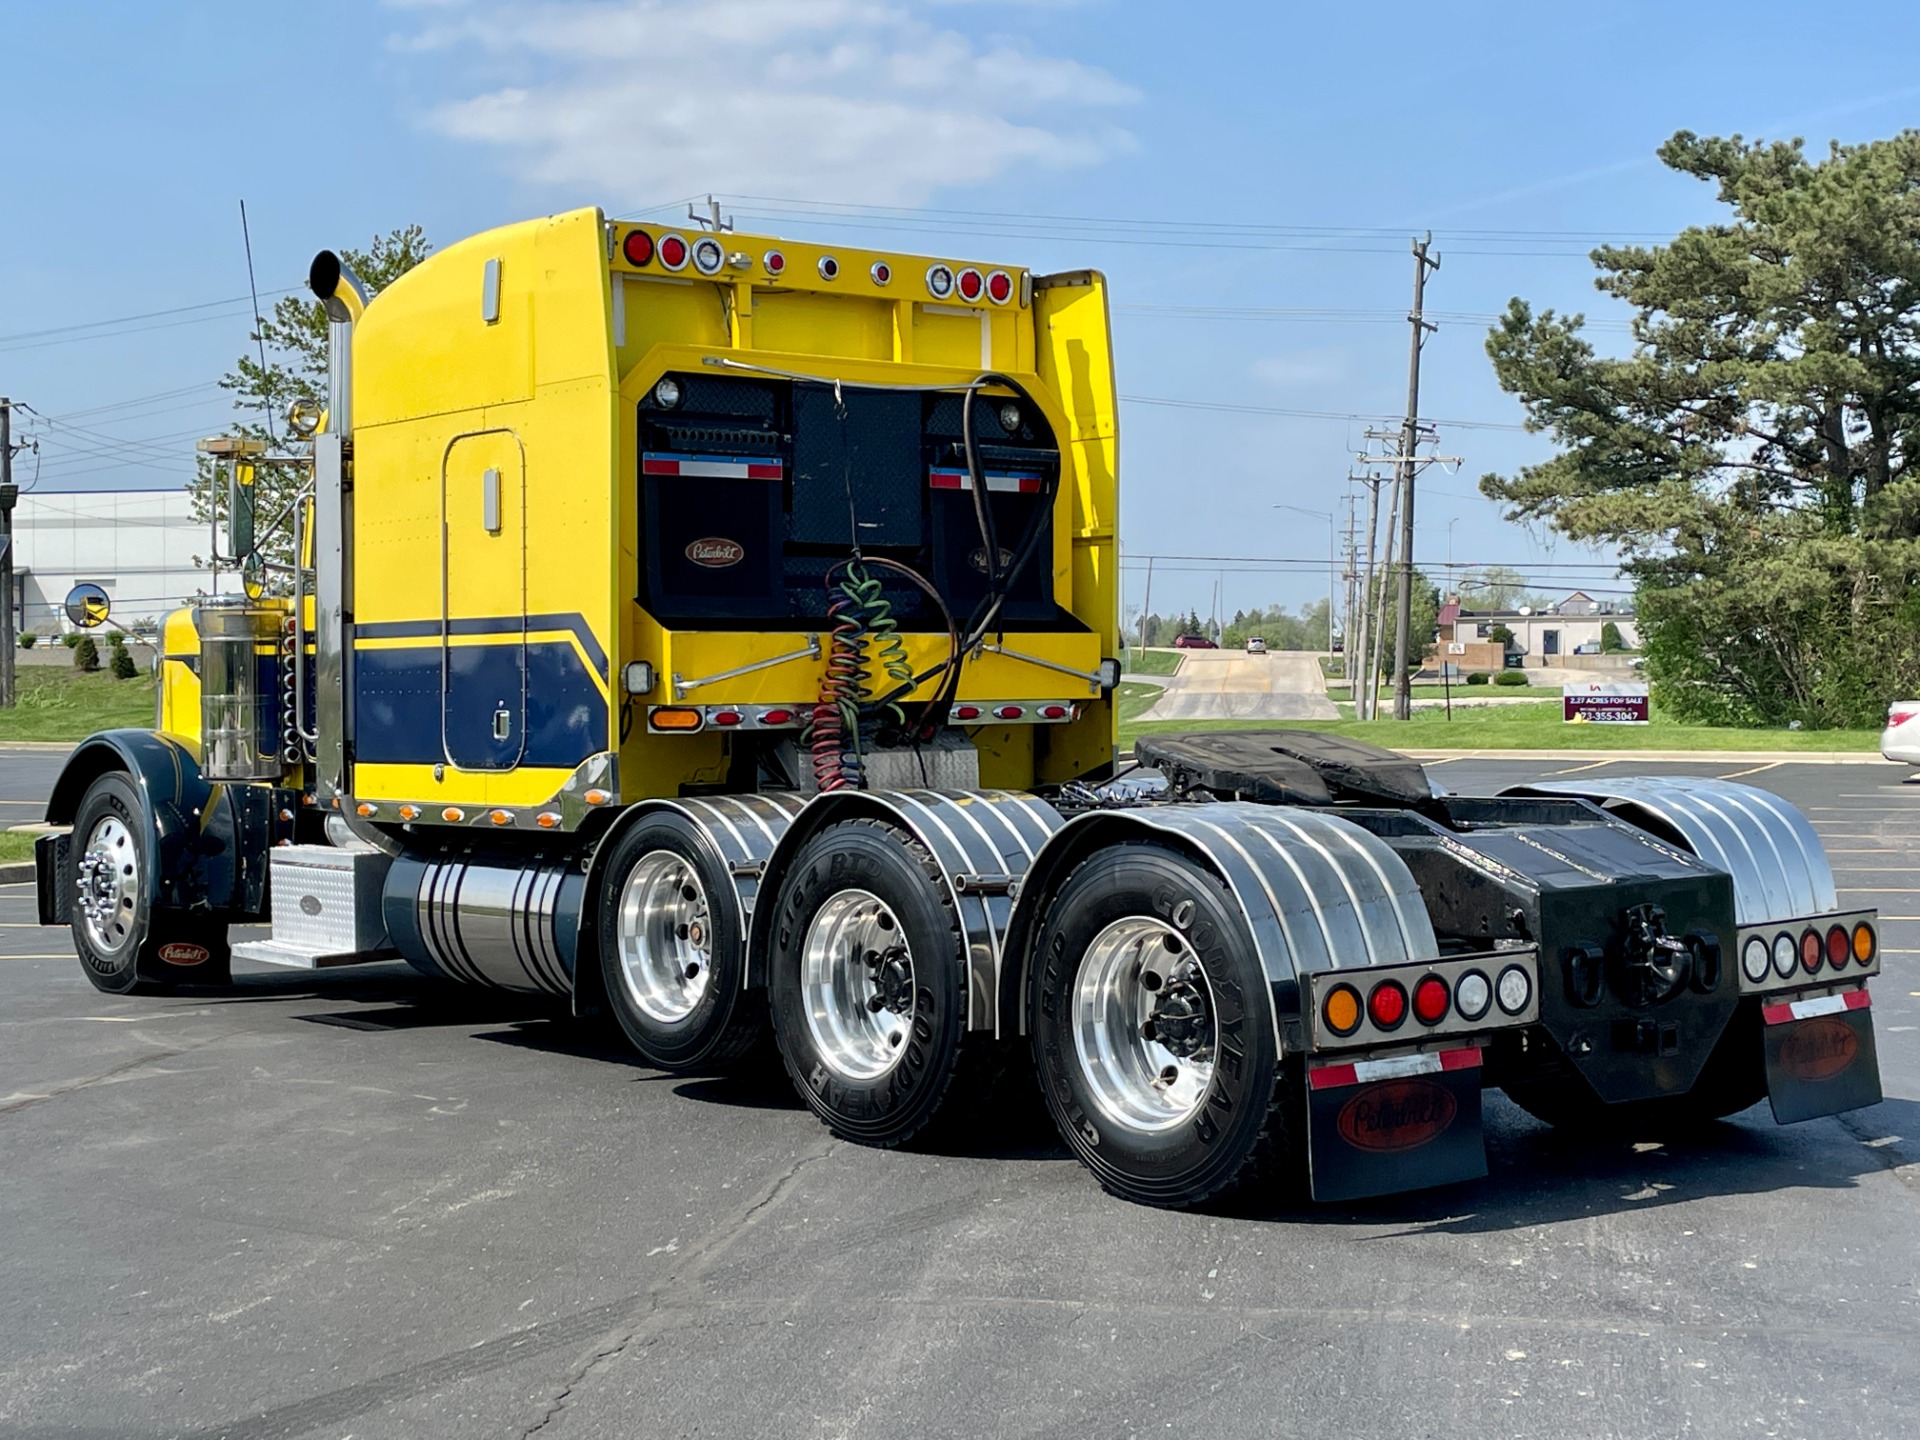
[49, 864]
[1375, 1127]
[1820, 1056]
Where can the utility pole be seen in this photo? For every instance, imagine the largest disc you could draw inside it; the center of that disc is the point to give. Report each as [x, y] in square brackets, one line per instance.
[1359, 651]
[1146, 609]
[1404, 476]
[9, 492]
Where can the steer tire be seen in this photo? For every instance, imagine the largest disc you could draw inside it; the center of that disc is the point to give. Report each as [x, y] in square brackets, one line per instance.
[134, 949]
[883, 1094]
[713, 1025]
[1239, 1137]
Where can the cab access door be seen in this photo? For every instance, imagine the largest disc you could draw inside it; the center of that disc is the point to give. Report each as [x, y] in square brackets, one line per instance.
[483, 591]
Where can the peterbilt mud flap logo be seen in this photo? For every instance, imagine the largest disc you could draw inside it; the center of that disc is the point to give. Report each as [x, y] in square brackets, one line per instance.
[179, 952]
[716, 553]
[1397, 1115]
[1816, 1050]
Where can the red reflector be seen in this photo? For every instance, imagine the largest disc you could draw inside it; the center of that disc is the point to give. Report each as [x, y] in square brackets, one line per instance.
[1000, 287]
[1008, 712]
[673, 251]
[1387, 1004]
[726, 717]
[776, 717]
[1430, 1000]
[1053, 712]
[637, 247]
[775, 262]
[1839, 947]
[1810, 951]
[970, 284]
[966, 712]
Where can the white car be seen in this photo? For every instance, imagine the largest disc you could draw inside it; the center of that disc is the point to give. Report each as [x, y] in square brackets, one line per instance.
[1256, 645]
[1901, 739]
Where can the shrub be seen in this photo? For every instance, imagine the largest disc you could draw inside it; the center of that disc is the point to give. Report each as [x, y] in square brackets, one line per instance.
[122, 666]
[1501, 635]
[1476, 677]
[1510, 677]
[28, 639]
[86, 654]
[72, 638]
[1610, 640]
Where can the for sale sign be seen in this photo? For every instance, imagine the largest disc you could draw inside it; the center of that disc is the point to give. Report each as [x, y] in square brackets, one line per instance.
[1605, 702]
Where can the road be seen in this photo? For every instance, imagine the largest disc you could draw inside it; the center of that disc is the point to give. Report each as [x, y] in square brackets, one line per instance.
[1232, 685]
[363, 1204]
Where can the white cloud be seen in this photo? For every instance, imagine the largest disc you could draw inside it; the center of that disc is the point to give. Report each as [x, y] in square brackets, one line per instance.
[1302, 368]
[862, 101]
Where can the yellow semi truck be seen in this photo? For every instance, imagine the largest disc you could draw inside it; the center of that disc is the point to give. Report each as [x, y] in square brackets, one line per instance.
[721, 631]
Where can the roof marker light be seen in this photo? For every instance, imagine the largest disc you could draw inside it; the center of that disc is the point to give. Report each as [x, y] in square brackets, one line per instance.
[637, 247]
[881, 272]
[829, 268]
[672, 251]
[774, 261]
[999, 287]
[939, 281]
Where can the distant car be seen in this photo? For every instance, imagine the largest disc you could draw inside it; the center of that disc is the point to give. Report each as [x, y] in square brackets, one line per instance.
[1193, 642]
[1901, 739]
[1256, 645]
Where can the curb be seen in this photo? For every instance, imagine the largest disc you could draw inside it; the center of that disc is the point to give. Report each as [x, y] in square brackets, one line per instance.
[14, 873]
[58, 746]
[1603, 757]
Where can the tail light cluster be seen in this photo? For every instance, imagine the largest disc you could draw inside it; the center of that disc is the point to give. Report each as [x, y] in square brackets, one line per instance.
[684, 719]
[1409, 1003]
[1900, 712]
[1809, 952]
[708, 255]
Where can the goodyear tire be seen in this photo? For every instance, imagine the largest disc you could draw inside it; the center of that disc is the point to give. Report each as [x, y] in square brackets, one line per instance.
[1152, 1029]
[671, 951]
[125, 945]
[866, 983]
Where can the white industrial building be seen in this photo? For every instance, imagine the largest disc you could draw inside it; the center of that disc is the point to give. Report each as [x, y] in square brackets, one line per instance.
[137, 545]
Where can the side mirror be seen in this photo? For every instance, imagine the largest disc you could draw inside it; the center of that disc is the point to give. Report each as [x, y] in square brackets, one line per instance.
[238, 454]
[88, 606]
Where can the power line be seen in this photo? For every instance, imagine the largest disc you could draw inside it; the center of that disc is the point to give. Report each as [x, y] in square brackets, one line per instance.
[1345, 415]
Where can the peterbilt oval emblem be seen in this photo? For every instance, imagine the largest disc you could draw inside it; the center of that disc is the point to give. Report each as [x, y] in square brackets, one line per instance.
[179, 952]
[716, 553]
[310, 905]
[1818, 1049]
[978, 560]
[1396, 1115]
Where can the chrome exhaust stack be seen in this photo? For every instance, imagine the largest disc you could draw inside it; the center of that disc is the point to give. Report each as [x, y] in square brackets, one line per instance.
[345, 297]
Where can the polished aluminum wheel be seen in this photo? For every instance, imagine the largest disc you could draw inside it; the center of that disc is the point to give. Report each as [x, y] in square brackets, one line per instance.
[1143, 1024]
[856, 978]
[107, 886]
[665, 937]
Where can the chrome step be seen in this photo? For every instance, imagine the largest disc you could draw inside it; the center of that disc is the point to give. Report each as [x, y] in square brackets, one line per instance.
[326, 909]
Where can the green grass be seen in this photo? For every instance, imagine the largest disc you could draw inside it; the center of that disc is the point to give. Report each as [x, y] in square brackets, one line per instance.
[55, 703]
[1150, 662]
[1461, 691]
[14, 846]
[1524, 727]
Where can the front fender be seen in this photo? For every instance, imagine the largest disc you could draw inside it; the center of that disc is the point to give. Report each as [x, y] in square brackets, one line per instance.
[206, 844]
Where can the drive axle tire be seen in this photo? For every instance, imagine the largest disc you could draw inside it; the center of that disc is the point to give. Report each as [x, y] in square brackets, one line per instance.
[671, 951]
[1152, 1027]
[125, 946]
[866, 982]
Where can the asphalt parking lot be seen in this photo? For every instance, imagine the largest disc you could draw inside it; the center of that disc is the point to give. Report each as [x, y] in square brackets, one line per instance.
[361, 1204]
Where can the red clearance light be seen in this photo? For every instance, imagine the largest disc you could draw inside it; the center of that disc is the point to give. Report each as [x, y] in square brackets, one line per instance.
[1430, 1000]
[969, 284]
[1387, 1004]
[1810, 948]
[726, 717]
[1054, 712]
[774, 261]
[1839, 947]
[1008, 712]
[673, 252]
[881, 272]
[999, 287]
[775, 717]
[966, 712]
[637, 247]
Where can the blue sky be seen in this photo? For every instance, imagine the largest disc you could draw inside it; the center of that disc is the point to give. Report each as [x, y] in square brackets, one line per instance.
[1212, 158]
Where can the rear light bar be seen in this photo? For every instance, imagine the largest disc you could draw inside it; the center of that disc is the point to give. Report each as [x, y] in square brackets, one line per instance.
[707, 255]
[1793, 954]
[1406, 1004]
[686, 719]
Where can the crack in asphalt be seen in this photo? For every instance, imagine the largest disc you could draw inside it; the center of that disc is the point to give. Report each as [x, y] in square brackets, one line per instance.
[698, 1261]
[27, 1102]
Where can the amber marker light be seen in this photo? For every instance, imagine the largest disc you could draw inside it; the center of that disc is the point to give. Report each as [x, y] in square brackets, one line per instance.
[1864, 945]
[453, 815]
[409, 812]
[364, 810]
[501, 817]
[547, 819]
[597, 797]
[1340, 1011]
[674, 717]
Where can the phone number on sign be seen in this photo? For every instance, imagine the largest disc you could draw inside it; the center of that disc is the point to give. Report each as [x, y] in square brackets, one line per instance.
[1627, 712]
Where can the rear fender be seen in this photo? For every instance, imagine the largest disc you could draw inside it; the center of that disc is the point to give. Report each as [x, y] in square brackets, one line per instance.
[984, 842]
[207, 844]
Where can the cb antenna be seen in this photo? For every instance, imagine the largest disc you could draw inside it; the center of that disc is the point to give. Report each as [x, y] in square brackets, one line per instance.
[266, 402]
